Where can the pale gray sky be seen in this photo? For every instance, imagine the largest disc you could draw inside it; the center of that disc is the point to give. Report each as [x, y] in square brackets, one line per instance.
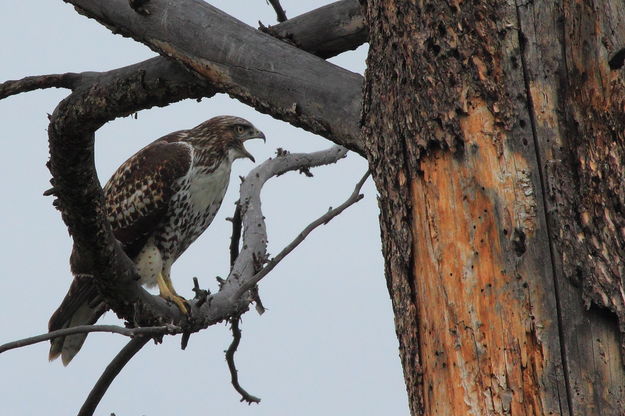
[327, 343]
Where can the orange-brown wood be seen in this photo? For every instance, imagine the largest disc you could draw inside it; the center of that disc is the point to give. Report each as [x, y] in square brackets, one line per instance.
[480, 347]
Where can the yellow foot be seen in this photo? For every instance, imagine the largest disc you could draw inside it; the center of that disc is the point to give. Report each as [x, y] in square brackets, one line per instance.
[180, 302]
[168, 292]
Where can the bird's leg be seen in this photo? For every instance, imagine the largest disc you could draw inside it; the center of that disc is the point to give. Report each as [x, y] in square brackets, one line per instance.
[168, 292]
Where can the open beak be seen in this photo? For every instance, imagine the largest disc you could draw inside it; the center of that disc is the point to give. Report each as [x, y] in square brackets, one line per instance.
[248, 155]
[254, 134]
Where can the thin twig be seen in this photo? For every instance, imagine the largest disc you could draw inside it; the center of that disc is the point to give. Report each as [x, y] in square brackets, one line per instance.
[109, 374]
[324, 219]
[83, 329]
[234, 377]
[280, 13]
[68, 80]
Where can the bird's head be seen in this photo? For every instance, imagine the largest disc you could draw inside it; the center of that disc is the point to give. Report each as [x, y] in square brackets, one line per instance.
[226, 134]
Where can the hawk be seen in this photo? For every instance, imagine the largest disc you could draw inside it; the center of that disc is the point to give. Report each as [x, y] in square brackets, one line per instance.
[157, 202]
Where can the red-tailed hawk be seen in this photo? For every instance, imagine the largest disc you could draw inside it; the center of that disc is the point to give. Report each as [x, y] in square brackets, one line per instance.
[158, 202]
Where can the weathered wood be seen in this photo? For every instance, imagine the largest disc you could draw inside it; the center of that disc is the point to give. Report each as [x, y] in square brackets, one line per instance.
[250, 65]
[577, 114]
[448, 134]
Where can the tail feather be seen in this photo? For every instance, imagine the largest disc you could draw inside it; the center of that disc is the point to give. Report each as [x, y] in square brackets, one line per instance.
[81, 306]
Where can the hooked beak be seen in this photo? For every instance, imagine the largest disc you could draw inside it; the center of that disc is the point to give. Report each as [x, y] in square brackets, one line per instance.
[255, 134]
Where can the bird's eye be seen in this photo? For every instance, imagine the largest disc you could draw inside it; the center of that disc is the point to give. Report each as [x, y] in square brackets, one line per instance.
[239, 129]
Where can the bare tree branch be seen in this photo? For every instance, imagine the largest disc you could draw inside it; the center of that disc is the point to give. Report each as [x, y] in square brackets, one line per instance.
[234, 376]
[69, 80]
[169, 81]
[100, 97]
[326, 31]
[280, 13]
[80, 198]
[254, 251]
[272, 76]
[114, 272]
[324, 219]
[83, 329]
[111, 371]
[224, 305]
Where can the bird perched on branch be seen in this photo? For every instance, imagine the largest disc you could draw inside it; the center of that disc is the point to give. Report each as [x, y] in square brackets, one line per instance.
[158, 202]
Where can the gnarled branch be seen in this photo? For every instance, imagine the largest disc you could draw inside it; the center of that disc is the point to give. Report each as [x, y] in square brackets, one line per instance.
[234, 375]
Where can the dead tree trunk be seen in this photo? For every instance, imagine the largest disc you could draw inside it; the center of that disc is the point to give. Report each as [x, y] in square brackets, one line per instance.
[495, 133]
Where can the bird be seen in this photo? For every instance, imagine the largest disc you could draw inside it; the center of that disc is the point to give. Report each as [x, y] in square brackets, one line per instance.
[158, 202]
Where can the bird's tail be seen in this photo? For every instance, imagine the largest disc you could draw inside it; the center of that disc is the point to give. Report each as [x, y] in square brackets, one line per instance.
[82, 306]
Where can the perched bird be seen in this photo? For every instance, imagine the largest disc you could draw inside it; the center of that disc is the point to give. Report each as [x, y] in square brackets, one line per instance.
[158, 202]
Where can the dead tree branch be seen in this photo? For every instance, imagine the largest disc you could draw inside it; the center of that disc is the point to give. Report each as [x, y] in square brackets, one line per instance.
[114, 273]
[249, 75]
[160, 81]
[272, 76]
[324, 219]
[254, 248]
[234, 376]
[209, 309]
[326, 31]
[38, 82]
[111, 371]
[280, 13]
[169, 81]
[83, 329]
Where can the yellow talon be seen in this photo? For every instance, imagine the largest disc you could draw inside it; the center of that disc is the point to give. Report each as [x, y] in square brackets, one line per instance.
[168, 292]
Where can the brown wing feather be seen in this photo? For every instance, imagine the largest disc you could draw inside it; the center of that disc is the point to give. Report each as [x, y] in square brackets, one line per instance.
[138, 194]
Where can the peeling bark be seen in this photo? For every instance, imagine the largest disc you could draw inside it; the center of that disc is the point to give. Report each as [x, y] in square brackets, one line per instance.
[483, 121]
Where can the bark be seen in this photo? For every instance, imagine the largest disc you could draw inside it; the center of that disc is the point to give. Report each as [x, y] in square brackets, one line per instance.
[573, 61]
[496, 144]
[247, 64]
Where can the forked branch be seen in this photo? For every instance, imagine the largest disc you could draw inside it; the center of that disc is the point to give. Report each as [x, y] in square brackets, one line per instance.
[324, 219]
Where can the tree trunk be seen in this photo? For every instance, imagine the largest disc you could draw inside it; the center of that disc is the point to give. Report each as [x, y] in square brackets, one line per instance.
[495, 134]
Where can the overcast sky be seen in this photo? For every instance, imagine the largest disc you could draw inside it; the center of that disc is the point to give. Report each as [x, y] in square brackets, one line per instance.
[327, 343]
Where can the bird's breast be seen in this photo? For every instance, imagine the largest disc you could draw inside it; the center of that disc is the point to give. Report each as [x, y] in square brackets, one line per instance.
[206, 189]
